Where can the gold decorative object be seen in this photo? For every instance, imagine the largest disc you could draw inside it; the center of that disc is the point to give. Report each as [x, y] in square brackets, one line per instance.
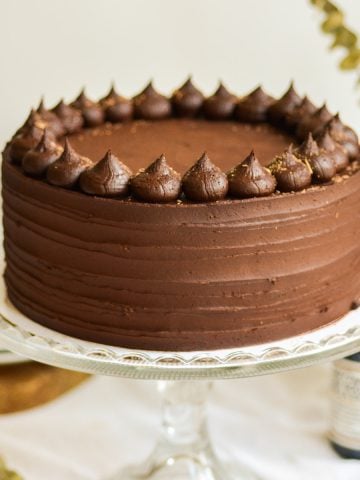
[343, 37]
[26, 385]
[6, 474]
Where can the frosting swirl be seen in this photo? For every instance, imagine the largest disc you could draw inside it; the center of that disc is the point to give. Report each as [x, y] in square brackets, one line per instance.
[290, 172]
[282, 107]
[321, 163]
[305, 109]
[33, 119]
[205, 182]
[66, 170]
[109, 177]
[158, 183]
[151, 105]
[187, 100]
[254, 107]
[70, 117]
[323, 167]
[220, 105]
[36, 160]
[117, 108]
[92, 113]
[308, 148]
[313, 123]
[51, 120]
[24, 141]
[344, 135]
[333, 149]
[251, 179]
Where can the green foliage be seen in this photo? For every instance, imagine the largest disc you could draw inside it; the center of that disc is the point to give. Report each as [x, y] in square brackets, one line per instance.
[343, 37]
[6, 474]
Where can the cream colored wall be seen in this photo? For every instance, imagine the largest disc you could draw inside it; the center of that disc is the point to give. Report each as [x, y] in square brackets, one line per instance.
[53, 47]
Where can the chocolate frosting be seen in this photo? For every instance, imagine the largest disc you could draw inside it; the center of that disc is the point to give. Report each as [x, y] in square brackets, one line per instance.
[36, 160]
[33, 119]
[253, 108]
[117, 108]
[278, 111]
[181, 276]
[290, 172]
[333, 149]
[251, 179]
[158, 183]
[313, 123]
[92, 113]
[109, 177]
[187, 100]
[344, 135]
[150, 105]
[205, 182]
[24, 141]
[51, 120]
[308, 148]
[70, 117]
[323, 166]
[66, 170]
[321, 163]
[305, 109]
[220, 105]
[110, 97]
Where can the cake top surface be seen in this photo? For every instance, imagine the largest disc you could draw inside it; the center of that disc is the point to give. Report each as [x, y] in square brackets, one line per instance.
[182, 141]
[189, 148]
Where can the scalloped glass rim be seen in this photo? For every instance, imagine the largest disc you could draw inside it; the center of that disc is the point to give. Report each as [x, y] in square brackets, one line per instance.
[28, 338]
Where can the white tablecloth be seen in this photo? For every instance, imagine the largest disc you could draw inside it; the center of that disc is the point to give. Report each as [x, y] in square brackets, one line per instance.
[276, 424]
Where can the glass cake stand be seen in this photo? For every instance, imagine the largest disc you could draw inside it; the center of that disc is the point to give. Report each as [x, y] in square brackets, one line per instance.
[183, 450]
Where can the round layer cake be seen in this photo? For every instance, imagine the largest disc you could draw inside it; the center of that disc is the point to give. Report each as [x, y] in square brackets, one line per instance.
[183, 223]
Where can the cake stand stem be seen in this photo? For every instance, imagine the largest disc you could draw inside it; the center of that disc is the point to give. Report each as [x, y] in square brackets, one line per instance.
[183, 450]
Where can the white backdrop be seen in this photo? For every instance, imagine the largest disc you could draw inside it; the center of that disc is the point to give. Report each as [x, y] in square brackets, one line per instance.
[276, 424]
[54, 47]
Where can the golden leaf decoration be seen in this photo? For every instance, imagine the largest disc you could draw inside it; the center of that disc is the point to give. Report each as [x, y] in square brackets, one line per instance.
[6, 474]
[343, 37]
[333, 22]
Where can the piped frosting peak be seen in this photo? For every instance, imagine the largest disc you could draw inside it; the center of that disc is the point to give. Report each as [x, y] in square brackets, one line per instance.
[254, 107]
[27, 138]
[187, 100]
[36, 160]
[220, 105]
[205, 182]
[290, 172]
[333, 149]
[286, 104]
[344, 135]
[151, 105]
[251, 179]
[308, 148]
[92, 112]
[117, 108]
[158, 183]
[70, 117]
[51, 120]
[66, 170]
[109, 177]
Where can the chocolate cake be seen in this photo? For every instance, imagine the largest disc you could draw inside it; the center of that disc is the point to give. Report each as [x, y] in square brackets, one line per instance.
[183, 223]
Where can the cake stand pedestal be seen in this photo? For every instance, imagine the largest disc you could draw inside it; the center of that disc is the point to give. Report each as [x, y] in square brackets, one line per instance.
[183, 450]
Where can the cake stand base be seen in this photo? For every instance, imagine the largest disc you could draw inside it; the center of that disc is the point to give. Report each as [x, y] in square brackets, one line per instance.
[184, 450]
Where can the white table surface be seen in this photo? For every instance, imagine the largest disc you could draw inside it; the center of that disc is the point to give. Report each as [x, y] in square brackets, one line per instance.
[276, 424]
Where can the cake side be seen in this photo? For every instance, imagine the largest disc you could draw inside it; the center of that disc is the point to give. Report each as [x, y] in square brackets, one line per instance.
[181, 276]
[110, 240]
